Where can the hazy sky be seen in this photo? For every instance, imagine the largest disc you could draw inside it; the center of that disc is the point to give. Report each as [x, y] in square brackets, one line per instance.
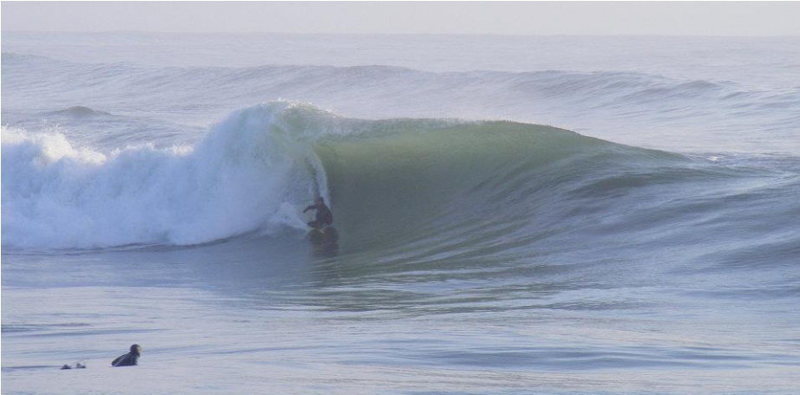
[675, 18]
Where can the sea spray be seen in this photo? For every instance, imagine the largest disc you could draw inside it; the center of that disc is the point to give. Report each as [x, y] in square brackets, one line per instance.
[246, 175]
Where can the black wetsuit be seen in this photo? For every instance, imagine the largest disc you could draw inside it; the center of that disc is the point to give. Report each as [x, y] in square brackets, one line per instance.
[324, 215]
[129, 359]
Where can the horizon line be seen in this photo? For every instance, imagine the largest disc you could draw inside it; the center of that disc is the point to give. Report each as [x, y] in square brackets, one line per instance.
[405, 34]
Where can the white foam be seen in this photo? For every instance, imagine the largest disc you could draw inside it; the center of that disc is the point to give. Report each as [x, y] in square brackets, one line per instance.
[248, 174]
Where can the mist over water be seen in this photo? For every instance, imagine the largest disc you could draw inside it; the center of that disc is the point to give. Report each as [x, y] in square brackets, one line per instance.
[515, 213]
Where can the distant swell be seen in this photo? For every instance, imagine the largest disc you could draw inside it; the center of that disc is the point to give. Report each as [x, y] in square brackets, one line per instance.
[626, 101]
[79, 111]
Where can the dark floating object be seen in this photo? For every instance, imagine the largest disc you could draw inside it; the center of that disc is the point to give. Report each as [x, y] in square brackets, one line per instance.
[78, 365]
[129, 359]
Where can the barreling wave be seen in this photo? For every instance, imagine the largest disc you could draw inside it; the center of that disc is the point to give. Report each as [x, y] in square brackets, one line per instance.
[437, 187]
[252, 172]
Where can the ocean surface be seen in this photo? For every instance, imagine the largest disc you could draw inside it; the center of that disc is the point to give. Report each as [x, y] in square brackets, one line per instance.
[515, 214]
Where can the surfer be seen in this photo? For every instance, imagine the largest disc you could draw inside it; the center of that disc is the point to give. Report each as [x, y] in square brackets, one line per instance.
[324, 215]
[129, 359]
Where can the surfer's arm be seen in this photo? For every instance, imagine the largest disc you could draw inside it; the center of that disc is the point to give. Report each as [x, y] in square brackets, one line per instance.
[310, 208]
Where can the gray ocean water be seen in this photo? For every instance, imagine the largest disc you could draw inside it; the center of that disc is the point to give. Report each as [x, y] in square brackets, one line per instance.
[515, 214]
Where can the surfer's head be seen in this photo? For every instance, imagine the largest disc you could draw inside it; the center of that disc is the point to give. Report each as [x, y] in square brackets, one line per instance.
[320, 200]
[136, 349]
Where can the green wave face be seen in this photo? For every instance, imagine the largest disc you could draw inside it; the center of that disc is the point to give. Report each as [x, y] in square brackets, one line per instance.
[402, 181]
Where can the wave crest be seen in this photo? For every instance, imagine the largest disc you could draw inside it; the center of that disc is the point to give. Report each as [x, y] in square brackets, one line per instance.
[239, 179]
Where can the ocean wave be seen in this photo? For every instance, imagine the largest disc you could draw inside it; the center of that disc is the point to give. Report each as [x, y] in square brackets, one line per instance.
[256, 168]
[437, 187]
[252, 172]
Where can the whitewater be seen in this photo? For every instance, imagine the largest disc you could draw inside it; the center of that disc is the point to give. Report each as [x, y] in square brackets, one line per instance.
[516, 214]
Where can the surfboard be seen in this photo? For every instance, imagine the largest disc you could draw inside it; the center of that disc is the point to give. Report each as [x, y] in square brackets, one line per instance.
[326, 235]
